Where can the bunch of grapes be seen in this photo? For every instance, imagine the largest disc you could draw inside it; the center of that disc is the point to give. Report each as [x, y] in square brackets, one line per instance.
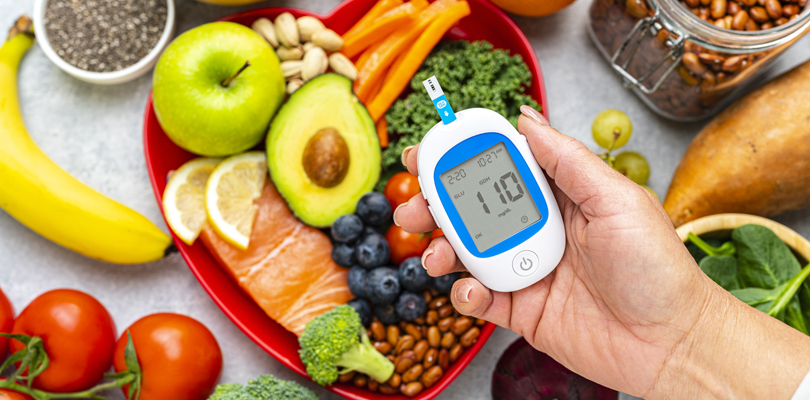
[611, 130]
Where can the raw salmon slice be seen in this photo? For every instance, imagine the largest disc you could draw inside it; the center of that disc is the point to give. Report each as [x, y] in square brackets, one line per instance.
[287, 269]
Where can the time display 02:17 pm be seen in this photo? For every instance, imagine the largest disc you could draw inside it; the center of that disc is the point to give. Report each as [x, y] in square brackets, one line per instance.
[490, 196]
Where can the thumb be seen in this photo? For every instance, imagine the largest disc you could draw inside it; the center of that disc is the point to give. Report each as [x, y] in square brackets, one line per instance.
[578, 172]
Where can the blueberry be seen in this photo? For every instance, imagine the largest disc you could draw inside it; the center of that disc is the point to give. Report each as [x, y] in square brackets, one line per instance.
[382, 285]
[347, 228]
[357, 281]
[412, 276]
[372, 251]
[386, 314]
[444, 284]
[411, 306]
[374, 209]
[343, 255]
[363, 309]
[368, 231]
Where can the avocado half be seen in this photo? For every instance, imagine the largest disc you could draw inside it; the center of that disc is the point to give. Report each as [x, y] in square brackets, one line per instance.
[319, 175]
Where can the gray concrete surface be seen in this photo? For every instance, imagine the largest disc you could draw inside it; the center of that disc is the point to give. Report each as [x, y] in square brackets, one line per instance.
[94, 132]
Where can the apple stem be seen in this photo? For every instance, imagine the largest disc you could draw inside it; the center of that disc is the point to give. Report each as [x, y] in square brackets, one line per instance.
[228, 81]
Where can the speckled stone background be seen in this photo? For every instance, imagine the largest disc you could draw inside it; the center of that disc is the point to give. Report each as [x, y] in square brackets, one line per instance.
[94, 132]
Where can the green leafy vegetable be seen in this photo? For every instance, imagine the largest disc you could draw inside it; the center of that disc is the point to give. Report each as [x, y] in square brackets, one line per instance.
[699, 254]
[727, 249]
[759, 298]
[472, 75]
[765, 260]
[722, 270]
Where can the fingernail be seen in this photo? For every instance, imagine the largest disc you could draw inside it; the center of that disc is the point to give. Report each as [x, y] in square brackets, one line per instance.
[405, 156]
[534, 115]
[425, 255]
[395, 212]
[463, 293]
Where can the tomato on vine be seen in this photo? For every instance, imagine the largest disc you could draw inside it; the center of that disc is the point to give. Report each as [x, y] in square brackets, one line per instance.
[77, 333]
[178, 356]
[6, 322]
[11, 395]
[400, 188]
[404, 245]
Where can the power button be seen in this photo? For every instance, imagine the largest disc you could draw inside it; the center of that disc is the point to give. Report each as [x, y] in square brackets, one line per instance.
[525, 263]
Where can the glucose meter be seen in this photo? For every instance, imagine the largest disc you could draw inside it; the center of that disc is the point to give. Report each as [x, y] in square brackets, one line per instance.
[488, 194]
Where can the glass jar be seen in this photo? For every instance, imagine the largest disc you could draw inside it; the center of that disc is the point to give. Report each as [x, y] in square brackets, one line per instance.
[682, 66]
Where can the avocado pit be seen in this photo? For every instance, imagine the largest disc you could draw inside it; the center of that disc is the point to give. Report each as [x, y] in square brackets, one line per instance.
[326, 158]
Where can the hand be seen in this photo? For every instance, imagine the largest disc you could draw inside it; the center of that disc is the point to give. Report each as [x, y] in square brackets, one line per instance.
[626, 305]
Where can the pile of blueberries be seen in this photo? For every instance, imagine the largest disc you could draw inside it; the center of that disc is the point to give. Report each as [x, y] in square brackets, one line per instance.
[388, 292]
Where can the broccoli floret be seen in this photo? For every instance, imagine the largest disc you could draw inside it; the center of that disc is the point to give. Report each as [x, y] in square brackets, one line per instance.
[268, 387]
[265, 387]
[471, 75]
[335, 343]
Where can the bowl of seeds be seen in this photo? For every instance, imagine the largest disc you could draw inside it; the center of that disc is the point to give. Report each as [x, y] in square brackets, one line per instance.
[104, 41]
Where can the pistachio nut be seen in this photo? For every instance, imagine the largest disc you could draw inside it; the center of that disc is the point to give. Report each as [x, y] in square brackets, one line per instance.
[290, 53]
[293, 85]
[342, 65]
[327, 39]
[287, 30]
[264, 27]
[307, 26]
[315, 63]
[291, 68]
[309, 46]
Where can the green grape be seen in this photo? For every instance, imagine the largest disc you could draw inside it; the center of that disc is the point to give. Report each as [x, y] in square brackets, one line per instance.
[651, 191]
[607, 124]
[633, 166]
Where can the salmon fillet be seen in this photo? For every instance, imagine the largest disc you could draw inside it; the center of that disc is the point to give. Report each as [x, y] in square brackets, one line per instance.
[287, 269]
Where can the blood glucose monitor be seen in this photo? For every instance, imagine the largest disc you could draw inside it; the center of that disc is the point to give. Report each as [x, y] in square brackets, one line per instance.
[488, 194]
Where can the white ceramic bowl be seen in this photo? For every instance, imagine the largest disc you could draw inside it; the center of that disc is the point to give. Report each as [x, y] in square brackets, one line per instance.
[103, 78]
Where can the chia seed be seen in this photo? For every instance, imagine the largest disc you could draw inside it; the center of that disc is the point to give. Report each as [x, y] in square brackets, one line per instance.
[104, 35]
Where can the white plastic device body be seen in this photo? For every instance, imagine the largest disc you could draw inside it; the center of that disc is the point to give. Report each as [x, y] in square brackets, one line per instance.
[517, 266]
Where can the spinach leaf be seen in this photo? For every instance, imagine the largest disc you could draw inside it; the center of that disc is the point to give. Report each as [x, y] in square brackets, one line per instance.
[759, 298]
[699, 254]
[794, 316]
[722, 270]
[727, 249]
[804, 298]
[765, 261]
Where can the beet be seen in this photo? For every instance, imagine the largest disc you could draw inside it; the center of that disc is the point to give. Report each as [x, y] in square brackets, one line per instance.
[524, 373]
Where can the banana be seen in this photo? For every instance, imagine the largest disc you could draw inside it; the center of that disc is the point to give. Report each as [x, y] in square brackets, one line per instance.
[45, 198]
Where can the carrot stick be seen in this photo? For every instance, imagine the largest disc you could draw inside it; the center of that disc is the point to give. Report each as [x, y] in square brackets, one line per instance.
[384, 25]
[414, 58]
[420, 4]
[372, 68]
[363, 59]
[378, 9]
[382, 132]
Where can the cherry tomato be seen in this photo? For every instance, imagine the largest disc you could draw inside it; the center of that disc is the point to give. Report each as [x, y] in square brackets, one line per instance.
[436, 233]
[6, 394]
[404, 245]
[400, 188]
[179, 357]
[6, 322]
[79, 337]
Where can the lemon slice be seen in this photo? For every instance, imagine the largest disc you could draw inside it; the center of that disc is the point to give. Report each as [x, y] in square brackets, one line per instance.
[231, 194]
[184, 198]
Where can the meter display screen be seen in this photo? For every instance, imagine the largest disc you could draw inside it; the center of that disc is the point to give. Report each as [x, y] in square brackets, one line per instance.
[490, 197]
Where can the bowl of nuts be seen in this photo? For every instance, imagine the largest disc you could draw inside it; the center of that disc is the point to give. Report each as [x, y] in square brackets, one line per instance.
[104, 42]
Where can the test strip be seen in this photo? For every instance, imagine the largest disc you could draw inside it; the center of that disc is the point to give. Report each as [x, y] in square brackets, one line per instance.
[439, 100]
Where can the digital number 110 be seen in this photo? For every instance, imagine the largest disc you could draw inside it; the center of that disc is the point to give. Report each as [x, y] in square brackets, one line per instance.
[512, 198]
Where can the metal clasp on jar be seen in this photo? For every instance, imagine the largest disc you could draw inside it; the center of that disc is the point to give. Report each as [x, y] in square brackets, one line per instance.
[651, 25]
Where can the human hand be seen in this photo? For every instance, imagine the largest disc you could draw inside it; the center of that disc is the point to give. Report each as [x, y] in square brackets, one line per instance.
[626, 302]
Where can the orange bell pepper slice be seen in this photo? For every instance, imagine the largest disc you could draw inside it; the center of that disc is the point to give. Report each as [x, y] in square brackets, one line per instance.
[378, 9]
[414, 58]
[373, 67]
[382, 27]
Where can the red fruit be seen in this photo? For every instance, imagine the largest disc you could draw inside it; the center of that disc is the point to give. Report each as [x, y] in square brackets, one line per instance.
[79, 337]
[179, 357]
[405, 245]
[6, 322]
[400, 188]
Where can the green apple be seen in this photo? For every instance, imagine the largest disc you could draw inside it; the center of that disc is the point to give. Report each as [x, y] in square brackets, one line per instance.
[208, 99]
